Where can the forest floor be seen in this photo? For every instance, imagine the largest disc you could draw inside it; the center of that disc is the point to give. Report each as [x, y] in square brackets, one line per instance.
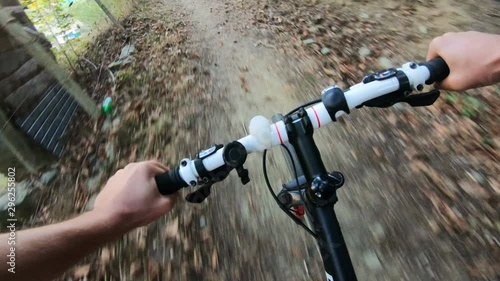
[421, 196]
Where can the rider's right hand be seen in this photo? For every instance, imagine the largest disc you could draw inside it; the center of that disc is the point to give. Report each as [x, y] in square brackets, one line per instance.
[473, 59]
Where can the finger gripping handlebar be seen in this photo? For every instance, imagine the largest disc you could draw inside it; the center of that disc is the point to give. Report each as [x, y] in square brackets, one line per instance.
[170, 182]
[438, 69]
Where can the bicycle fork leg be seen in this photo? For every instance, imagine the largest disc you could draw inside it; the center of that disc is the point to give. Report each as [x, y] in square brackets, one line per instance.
[336, 260]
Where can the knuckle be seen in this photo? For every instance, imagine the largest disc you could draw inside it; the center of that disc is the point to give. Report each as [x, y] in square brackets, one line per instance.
[152, 162]
[434, 43]
[438, 40]
[146, 166]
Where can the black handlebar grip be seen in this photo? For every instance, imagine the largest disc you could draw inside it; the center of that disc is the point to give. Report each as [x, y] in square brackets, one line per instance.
[170, 182]
[438, 69]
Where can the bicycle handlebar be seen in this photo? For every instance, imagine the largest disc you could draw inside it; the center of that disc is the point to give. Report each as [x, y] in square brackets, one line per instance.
[438, 69]
[386, 87]
[169, 182]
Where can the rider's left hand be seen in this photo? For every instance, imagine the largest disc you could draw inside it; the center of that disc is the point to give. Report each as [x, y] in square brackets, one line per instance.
[131, 197]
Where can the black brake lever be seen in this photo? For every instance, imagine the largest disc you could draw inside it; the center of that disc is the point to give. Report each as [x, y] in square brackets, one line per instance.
[200, 194]
[423, 99]
[386, 100]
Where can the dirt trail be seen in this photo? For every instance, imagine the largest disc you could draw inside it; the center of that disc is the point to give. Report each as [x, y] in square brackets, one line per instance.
[205, 68]
[421, 193]
[248, 79]
[253, 239]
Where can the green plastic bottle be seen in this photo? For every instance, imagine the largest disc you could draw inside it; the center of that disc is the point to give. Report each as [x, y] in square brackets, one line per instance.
[107, 106]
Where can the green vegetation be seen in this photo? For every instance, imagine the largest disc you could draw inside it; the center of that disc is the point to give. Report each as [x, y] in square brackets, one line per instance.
[489, 141]
[310, 78]
[91, 17]
[472, 107]
[83, 18]
[452, 98]
[468, 106]
[124, 74]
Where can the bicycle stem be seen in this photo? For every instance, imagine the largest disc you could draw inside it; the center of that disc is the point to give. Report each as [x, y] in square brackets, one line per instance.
[320, 199]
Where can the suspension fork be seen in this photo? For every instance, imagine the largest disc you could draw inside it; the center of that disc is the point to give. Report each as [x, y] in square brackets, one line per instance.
[320, 199]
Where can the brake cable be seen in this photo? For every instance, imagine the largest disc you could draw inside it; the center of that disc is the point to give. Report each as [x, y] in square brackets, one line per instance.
[302, 106]
[282, 206]
[296, 174]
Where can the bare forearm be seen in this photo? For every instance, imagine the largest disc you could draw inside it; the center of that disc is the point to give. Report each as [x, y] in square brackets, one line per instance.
[44, 253]
[130, 199]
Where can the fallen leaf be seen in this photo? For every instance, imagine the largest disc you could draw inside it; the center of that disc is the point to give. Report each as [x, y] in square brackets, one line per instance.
[329, 71]
[214, 259]
[141, 238]
[392, 118]
[85, 172]
[172, 229]
[473, 189]
[450, 219]
[105, 256]
[133, 154]
[134, 268]
[197, 262]
[495, 185]
[186, 244]
[137, 105]
[81, 271]
[434, 226]
[205, 234]
[244, 84]
[153, 270]
[441, 182]
[187, 216]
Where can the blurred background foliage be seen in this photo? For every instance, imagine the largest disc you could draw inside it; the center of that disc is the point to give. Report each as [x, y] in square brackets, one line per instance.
[71, 24]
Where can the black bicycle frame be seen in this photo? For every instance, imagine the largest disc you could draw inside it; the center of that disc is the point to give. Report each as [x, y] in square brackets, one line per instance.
[320, 200]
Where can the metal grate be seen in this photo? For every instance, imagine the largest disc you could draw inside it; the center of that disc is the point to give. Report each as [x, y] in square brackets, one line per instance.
[48, 121]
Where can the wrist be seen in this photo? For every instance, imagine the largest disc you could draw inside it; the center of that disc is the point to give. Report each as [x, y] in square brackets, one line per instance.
[496, 65]
[493, 67]
[113, 224]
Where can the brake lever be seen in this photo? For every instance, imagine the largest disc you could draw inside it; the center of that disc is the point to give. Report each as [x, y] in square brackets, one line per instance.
[416, 100]
[384, 101]
[423, 99]
[200, 194]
